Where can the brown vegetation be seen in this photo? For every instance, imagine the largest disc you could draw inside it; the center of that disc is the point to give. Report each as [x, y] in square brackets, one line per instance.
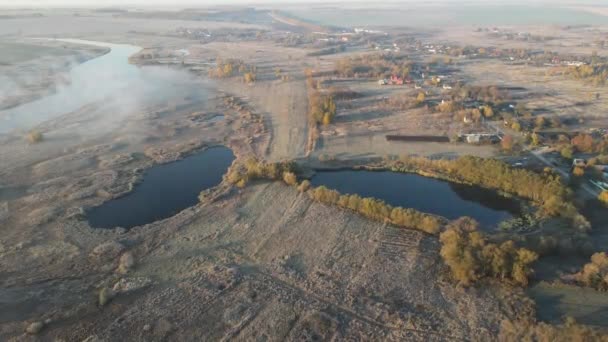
[34, 137]
[507, 143]
[470, 257]
[595, 273]
[249, 77]
[253, 169]
[603, 197]
[321, 107]
[290, 178]
[374, 65]
[304, 186]
[372, 208]
[376, 209]
[583, 143]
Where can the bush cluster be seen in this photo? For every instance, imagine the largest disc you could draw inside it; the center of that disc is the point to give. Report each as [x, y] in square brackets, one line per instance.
[254, 169]
[595, 273]
[603, 197]
[374, 65]
[471, 257]
[321, 107]
[232, 67]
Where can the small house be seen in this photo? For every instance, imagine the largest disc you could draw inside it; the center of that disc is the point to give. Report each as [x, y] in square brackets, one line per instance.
[473, 138]
[578, 162]
[396, 80]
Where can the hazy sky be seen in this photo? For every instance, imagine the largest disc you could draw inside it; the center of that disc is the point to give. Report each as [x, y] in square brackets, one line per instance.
[181, 3]
[102, 3]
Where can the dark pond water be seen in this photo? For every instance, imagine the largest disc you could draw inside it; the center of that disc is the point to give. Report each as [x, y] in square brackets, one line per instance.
[164, 191]
[428, 195]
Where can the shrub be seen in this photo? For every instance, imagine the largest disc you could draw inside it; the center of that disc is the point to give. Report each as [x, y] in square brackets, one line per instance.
[127, 261]
[470, 257]
[603, 197]
[516, 126]
[583, 143]
[34, 137]
[567, 152]
[290, 178]
[420, 98]
[249, 77]
[507, 143]
[595, 273]
[304, 186]
[105, 295]
[578, 171]
[253, 169]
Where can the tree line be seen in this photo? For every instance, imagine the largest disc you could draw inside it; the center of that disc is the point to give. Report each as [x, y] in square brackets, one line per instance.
[321, 106]
[546, 190]
[252, 169]
[374, 65]
[594, 74]
[378, 210]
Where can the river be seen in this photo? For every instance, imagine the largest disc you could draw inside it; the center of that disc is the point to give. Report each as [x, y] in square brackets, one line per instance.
[108, 79]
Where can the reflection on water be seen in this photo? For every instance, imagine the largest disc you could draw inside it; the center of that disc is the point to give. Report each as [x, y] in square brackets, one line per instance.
[164, 191]
[422, 193]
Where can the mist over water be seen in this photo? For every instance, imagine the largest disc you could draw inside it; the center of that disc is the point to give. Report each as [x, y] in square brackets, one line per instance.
[109, 81]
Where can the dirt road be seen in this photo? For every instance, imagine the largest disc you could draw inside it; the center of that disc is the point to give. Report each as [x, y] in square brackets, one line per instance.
[284, 107]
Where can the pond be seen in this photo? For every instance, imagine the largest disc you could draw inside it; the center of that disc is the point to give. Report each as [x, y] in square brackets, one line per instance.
[109, 79]
[425, 194]
[164, 191]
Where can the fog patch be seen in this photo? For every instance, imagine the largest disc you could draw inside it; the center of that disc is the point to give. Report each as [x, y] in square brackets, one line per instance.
[111, 88]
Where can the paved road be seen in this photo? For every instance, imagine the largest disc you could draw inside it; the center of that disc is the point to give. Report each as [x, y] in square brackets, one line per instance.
[585, 186]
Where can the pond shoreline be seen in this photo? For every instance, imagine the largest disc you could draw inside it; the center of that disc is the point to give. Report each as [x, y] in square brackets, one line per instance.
[163, 190]
[430, 195]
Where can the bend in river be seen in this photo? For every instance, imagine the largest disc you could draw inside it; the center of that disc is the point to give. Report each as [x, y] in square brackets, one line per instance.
[164, 191]
[425, 194]
[109, 79]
